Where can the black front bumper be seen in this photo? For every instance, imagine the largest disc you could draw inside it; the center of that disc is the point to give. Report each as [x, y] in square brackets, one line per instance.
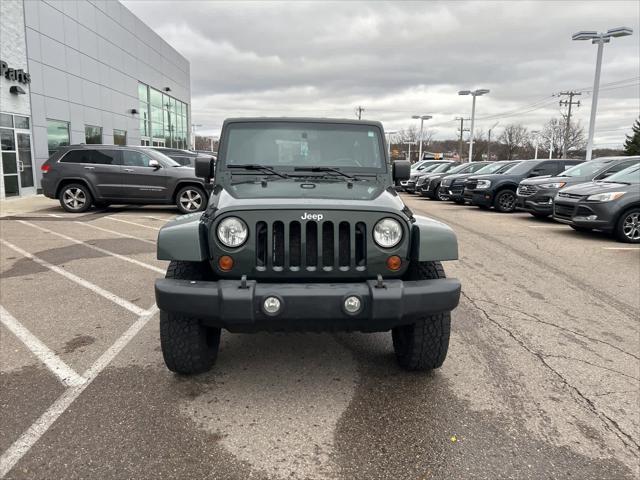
[307, 306]
[456, 192]
[481, 198]
[535, 204]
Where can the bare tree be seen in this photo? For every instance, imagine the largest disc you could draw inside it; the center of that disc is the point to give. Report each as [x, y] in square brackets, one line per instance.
[555, 128]
[513, 138]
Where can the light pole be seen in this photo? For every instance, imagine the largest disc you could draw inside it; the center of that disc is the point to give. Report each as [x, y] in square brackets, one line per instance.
[535, 132]
[422, 119]
[193, 132]
[489, 141]
[599, 39]
[409, 154]
[388, 134]
[474, 93]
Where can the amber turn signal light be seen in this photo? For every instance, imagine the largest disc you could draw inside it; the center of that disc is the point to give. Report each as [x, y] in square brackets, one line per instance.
[225, 263]
[394, 262]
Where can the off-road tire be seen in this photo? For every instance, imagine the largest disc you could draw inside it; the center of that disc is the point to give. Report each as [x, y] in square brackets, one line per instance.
[188, 346]
[505, 201]
[423, 345]
[626, 222]
[78, 190]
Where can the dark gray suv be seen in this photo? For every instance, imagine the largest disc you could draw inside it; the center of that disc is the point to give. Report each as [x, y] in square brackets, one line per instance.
[84, 175]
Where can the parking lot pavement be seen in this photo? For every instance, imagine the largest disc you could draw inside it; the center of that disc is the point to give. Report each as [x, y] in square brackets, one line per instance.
[541, 381]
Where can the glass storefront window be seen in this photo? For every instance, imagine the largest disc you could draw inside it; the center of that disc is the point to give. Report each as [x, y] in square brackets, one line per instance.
[57, 135]
[6, 120]
[92, 134]
[156, 97]
[156, 114]
[157, 130]
[143, 93]
[119, 137]
[21, 122]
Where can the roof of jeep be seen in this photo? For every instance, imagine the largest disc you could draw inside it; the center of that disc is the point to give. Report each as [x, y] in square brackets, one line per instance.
[350, 121]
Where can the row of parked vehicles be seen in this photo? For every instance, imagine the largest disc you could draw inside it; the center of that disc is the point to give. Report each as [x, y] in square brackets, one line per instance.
[602, 194]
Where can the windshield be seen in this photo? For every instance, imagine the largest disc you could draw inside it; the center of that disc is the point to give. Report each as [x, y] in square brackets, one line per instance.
[628, 175]
[492, 168]
[430, 168]
[442, 168]
[519, 168]
[585, 169]
[289, 145]
[460, 168]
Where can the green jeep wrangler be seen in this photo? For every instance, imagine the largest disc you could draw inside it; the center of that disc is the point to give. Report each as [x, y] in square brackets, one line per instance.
[304, 231]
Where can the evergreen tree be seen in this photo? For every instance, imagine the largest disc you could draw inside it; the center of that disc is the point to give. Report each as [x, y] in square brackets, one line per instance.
[632, 145]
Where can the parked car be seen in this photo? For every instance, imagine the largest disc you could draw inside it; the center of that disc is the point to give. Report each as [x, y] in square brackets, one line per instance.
[183, 157]
[499, 190]
[611, 205]
[410, 185]
[535, 195]
[455, 183]
[83, 175]
[431, 184]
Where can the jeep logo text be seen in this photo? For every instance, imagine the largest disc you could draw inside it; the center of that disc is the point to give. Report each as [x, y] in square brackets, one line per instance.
[312, 216]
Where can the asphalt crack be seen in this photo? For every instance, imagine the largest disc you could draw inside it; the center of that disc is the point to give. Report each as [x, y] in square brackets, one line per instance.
[610, 424]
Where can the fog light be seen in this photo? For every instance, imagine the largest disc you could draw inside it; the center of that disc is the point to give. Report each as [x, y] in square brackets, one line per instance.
[271, 305]
[225, 263]
[352, 304]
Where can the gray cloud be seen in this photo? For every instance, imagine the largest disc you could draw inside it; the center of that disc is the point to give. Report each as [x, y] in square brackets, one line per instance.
[399, 58]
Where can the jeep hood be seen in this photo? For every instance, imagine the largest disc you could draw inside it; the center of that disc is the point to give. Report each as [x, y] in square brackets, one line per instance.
[365, 195]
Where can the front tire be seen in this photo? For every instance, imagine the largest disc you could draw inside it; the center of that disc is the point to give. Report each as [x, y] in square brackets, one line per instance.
[628, 226]
[191, 199]
[188, 346]
[505, 201]
[423, 345]
[75, 198]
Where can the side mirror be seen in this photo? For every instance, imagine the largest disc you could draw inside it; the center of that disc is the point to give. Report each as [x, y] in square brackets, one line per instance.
[204, 168]
[401, 170]
[155, 164]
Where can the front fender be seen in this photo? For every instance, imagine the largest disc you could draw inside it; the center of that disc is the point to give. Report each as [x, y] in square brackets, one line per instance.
[183, 238]
[433, 240]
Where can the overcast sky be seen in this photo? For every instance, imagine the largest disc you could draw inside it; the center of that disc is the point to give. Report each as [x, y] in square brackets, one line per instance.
[402, 58]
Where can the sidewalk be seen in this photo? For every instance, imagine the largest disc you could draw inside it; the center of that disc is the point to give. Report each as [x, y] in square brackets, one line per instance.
[32, 203]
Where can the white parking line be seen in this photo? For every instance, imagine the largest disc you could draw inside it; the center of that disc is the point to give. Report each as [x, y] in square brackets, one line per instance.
[47, 356]
[29, 438]
[130, 223]
[80, 281]
[120, 234]
[622, 248]
[558, 227]
[93, 247]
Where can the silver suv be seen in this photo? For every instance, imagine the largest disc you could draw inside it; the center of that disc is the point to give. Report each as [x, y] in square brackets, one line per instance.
[84, 175]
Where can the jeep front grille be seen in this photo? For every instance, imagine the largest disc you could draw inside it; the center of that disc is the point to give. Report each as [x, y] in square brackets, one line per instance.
[311, 246]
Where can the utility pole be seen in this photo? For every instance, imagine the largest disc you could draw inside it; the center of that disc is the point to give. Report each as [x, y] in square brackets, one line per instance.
[536, 133]
[359, 111]
[462, 130]
[567, 129]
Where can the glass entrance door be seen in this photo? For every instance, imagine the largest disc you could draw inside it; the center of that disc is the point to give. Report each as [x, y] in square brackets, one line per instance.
[25, 163]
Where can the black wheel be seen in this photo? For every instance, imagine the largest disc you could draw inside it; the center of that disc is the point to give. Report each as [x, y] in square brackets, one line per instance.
[539, 215]
[191, 199]
[580, 229]
[505, 201]
[628, 226]
[188, 346]
[423, 345]
[440, 195]
[75, 198]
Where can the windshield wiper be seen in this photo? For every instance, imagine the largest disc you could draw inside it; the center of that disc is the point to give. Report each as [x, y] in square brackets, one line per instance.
[324, 169]
[260, 168]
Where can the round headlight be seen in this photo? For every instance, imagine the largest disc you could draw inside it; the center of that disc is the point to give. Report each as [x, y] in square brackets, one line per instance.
[232, 232]
[387, 233]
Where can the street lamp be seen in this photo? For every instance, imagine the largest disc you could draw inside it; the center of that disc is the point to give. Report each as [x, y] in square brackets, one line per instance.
[474, 93]
[535, 133]
[422, 119]
[600, 39]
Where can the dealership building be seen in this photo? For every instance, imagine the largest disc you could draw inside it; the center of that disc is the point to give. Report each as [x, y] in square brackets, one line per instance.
[83, 72]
